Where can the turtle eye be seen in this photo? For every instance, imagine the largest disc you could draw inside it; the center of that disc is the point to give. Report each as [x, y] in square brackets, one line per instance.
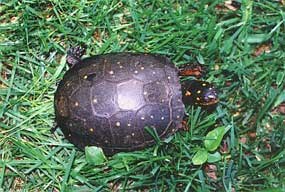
[90, 77]
[210, 95]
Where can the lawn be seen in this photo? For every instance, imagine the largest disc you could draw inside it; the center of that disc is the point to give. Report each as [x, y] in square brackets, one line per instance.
[241, 44]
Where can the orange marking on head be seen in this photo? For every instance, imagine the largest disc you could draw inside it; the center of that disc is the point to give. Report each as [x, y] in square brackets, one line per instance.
[188, 93]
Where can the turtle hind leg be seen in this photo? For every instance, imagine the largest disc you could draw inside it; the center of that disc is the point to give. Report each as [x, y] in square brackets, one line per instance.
[74, 55]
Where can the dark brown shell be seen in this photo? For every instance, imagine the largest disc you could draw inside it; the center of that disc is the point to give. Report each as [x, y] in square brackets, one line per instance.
[108, 100]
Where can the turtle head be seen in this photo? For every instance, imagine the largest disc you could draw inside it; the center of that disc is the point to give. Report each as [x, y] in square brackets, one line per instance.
[200, 93]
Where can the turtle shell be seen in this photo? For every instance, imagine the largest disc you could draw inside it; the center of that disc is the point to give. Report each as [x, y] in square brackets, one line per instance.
[108, 101]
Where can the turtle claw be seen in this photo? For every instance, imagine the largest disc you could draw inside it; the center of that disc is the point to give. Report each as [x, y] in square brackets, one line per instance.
[53, 129]
[74, 55]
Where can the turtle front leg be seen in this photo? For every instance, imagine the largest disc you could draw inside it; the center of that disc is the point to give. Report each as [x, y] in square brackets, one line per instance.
[194, 70]
[74, 55]
[185, 126]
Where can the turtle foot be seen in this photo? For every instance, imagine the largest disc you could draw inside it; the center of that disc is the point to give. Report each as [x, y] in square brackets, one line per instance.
[74, 55]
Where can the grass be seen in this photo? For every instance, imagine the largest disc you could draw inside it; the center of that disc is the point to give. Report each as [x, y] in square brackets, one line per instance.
[243, 50]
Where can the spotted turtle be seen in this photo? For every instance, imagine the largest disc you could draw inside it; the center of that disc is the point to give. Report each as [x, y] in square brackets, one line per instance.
[108, 100]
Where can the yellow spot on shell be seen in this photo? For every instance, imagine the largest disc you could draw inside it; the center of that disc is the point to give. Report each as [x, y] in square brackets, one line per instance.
[118, 124]
[204, 84]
